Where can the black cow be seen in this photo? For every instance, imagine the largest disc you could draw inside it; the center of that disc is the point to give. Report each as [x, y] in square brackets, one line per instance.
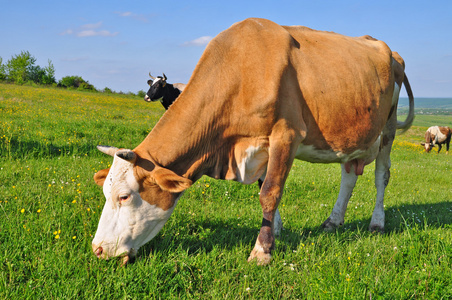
[162, 91]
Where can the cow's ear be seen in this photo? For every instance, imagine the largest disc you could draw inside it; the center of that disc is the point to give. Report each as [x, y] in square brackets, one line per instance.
[100, 176]
[150, 82]
[170, 181]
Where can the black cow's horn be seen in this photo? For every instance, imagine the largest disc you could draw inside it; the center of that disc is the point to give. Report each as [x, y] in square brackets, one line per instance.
[153, 78]
[164, 77]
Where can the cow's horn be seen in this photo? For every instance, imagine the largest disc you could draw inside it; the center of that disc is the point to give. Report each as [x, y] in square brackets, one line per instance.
[107, 150]
[153, 78]
[164, 77]
[128, 155]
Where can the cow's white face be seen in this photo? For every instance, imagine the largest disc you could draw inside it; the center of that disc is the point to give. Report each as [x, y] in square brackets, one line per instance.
[128, 221]
[427, 147]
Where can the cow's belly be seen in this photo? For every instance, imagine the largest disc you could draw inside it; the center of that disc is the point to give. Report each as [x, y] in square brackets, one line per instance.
[311, 154]
[251, 159]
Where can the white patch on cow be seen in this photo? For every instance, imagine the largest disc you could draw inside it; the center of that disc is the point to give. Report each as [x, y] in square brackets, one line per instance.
[395, 95]
[348, 181]
[378, 215]
[440, 137]
[125, 226]
[249, 165]
[156, 80]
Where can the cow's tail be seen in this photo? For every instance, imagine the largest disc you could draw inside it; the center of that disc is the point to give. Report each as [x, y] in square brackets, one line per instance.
[410, 118]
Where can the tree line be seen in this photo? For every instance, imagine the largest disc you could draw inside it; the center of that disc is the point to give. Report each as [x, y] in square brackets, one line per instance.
[21, 69]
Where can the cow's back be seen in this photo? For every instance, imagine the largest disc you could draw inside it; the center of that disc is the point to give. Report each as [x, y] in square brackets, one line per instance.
[346, 84]
[335, 90]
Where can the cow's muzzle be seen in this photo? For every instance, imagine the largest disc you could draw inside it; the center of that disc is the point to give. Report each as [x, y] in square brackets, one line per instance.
[99, 252]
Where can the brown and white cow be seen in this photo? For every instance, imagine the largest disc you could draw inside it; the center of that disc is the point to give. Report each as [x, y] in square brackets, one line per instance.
[437, 135]
[261, 95]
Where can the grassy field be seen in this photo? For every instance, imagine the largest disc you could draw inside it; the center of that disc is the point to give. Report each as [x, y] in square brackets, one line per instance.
[50, 208]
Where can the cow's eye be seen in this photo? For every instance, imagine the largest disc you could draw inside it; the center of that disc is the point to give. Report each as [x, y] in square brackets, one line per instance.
[124, 198]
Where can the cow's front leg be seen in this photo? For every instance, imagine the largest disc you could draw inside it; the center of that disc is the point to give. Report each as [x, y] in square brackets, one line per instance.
[281, 157]
[269, 198]
[278, 225]
[348, 181]
[265, 242]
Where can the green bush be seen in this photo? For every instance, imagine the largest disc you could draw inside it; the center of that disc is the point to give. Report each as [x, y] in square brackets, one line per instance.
[35, 74]
[106, 90]
[70, 81]
[86, 86]
[49, 74]
[2, 70]
[141, 93]
[21, 68]
[76, 82]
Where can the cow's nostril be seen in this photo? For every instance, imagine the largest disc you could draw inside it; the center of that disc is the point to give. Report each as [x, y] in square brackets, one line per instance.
[99, 251]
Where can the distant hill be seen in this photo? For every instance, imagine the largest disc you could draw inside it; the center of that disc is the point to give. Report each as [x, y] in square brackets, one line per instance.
[427, 106]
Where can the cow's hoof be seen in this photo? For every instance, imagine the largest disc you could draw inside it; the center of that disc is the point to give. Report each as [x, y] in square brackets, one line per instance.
[329, 226]
[376, 228]
[261, 258]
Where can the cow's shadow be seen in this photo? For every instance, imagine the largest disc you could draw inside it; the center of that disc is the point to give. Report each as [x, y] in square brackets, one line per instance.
[207, 235]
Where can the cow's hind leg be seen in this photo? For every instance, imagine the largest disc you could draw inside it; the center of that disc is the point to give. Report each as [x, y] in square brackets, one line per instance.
[448, 143]
[348, 181]
[281, 156]
[382, 174]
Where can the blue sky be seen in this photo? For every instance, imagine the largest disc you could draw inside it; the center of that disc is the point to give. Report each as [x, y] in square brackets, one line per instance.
[116, 44]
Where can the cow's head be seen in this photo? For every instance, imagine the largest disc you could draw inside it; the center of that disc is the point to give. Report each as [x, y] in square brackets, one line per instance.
[428, 145]
[157, 84]
[140, 197]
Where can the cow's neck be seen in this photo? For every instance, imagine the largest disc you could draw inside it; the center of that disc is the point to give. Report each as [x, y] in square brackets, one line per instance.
[185, 142]
[170, 94]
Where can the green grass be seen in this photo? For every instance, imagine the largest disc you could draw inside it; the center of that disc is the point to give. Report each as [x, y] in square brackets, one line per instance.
[50, 207]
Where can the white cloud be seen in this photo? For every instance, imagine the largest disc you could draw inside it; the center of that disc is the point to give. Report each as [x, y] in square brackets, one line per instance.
[89, 30]
[128, 14]
[87, 33]
[124, 14]
[92, 26]
[67, 32]
[201, 41]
